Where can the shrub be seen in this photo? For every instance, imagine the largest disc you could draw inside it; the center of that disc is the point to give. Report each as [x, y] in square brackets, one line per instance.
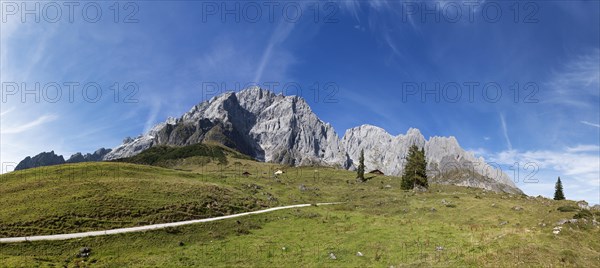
[583, 214]
[450, 205]
[567, 209]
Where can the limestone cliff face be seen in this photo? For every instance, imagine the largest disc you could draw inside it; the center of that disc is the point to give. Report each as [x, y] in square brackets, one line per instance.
[269, 127]
[283, 129]
[447, 162]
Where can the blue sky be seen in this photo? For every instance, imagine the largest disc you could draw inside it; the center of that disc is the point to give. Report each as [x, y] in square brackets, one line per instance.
[362, 57]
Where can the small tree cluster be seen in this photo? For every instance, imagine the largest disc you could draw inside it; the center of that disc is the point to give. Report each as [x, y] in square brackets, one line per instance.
[415, 169]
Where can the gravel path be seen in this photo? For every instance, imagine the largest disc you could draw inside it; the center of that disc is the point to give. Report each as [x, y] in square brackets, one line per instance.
[146, 227]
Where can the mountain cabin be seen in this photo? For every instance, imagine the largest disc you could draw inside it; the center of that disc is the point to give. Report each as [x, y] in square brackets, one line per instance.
[376, 172]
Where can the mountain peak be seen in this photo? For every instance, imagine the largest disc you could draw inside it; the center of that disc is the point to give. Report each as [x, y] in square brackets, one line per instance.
[413, 132]
[284, 129]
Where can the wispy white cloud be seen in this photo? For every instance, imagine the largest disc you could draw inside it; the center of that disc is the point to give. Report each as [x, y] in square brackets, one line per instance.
[578, 167]
[505, 132]
[391, 44]
[583, 148]
[590, 124]
[281, 32]
[7, 111]
[352, 7]
[28, 126]
[154, 109]
[577, 82]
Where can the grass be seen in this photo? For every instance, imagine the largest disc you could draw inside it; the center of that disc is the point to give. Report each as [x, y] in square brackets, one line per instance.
[390, 227]
[168, 156]
[97, 196]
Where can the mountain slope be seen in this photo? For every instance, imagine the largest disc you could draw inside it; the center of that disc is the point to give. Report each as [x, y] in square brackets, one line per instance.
[284, 130]
[256, 122]
[168, 156]
[444, 157]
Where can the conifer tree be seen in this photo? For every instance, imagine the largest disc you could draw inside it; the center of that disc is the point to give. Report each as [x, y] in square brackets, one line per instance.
[360, 171]
[558, 190]
[415, 169]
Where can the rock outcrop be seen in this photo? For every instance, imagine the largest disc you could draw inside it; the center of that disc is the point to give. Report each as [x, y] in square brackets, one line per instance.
[50, 159]
[257, 122]
[40, 160]
[447, 162]
[98, 155]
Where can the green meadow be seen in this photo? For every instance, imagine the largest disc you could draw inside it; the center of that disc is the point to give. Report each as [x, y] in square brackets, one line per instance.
[377, 225]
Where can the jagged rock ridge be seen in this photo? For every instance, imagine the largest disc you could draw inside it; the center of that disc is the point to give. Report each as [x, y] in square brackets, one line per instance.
[257, 122]
[283, 129]
[42, 159]
[444, 157]
[50, 159]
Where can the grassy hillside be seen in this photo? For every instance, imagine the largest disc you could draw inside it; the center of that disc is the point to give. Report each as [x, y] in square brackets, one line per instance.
[168, 156]
[448, 225]
[96, 196]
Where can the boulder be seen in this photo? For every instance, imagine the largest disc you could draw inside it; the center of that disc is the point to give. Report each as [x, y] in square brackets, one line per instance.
[583, 205]
[84, 252]
[302, 188]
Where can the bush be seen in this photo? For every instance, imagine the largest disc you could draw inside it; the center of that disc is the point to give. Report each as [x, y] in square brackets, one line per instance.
[450, 205]
[567, 209]
[583, 214]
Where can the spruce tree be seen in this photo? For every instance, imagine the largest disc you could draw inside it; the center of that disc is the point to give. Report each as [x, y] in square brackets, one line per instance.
[421, 178]
[558, 191]
[360, 171]
[415, 169]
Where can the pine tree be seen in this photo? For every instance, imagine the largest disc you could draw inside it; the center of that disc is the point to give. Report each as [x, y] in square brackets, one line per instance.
[415, 169]
[558, 190]
[360, 171]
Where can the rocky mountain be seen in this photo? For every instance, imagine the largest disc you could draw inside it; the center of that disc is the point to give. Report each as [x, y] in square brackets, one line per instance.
[257, 122]
[98, 155]
[444, 156]
[283, 129]
[40, 160]
[50, 159]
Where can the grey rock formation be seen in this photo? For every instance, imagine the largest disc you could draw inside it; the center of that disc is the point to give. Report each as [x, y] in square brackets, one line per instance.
[50, 159]
[98, 155]
[447, 162]
[283, 129]
[268, 127]
[42, 159]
